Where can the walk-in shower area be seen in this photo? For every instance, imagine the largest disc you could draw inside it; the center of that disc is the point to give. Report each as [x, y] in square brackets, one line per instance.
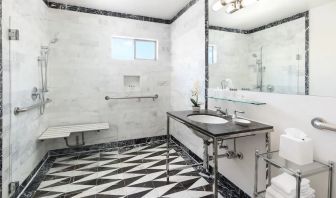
[86, 95]
[171, 99]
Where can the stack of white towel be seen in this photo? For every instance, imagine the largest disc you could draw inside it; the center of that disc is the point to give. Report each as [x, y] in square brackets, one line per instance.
[284, 186]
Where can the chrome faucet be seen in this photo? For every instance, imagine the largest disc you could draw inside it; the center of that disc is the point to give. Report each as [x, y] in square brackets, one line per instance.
[235, 113]
[221, 112]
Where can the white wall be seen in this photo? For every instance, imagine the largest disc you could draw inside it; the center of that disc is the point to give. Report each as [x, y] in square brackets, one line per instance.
[187, 60]
[82, 72]
[322, 62]
[285, 111]
[21, 152]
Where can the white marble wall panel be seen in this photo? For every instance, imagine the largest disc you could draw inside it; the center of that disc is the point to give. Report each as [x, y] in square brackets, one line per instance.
[188, 60]
[21, 151]
[82, 72]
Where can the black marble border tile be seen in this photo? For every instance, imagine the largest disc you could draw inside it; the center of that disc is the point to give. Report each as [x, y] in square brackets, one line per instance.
[279, 22]
[211, 27]
[307, 53]
[103, 146]
[206, 85]
[183, 10]
[264, 27]
[69, 7]
[36, 172]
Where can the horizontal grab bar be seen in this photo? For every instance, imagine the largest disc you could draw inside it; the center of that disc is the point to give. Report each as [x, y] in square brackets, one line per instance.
[320, 123]
[156, 96]
[18, 110]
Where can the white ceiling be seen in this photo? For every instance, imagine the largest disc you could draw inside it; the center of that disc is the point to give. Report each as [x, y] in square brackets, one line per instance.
[164, 9]
[261, 13]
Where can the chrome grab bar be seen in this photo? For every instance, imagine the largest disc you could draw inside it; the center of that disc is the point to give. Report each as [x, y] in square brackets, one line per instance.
[18, 110]
[156, 96]
[320, 123]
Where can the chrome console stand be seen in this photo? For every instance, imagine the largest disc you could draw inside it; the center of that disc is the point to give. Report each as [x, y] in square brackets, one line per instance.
[215, 156]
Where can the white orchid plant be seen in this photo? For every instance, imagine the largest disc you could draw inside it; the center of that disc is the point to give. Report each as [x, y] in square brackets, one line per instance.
[195, 92]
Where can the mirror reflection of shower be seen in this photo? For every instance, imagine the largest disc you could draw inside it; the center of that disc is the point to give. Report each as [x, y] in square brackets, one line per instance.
[43, 61]
[260, 69]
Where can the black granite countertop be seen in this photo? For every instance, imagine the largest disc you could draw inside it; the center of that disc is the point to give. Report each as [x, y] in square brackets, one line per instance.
[216, 130]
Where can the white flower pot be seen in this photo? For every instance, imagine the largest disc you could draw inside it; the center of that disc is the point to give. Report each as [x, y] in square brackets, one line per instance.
[196, 109]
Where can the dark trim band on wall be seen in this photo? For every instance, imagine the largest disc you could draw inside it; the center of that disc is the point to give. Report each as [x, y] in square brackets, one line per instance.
[206, 53]
[264, 27]
[183, 10]
[307, 53]
[74, 8]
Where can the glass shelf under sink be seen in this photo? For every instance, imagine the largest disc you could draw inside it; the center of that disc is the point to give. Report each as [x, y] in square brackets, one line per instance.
[242, 100]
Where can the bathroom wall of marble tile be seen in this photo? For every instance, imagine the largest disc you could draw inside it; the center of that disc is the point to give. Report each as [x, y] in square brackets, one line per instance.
[82, 72]
[188, 60]
[234, 50]
[21, 152]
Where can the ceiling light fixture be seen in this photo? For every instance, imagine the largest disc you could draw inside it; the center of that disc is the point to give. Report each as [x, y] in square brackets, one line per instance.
[221, 3]
[232, 5]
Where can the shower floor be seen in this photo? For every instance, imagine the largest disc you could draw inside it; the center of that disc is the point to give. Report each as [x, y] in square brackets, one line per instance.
[132, 172]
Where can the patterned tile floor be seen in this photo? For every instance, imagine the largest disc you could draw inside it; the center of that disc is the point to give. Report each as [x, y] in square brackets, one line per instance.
[131, 172]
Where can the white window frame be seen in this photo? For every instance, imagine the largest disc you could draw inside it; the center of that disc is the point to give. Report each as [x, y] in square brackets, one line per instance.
[214, 54]
[156, 42]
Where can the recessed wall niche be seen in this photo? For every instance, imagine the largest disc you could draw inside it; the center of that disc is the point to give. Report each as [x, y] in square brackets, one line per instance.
[131, 83]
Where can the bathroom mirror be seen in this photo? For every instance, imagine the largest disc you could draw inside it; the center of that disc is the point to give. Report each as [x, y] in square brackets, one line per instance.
[272, 46]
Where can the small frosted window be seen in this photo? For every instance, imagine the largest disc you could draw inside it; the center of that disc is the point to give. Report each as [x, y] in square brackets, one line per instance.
[212, 55]
[122, 49]
[145, 49]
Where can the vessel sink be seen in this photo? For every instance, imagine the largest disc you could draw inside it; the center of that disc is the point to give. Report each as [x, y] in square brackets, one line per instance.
[207, 119]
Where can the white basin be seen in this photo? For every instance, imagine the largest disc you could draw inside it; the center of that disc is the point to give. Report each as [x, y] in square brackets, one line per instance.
[208, 119]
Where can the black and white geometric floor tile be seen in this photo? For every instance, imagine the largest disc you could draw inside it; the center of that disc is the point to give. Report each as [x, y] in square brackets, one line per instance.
[135, 173]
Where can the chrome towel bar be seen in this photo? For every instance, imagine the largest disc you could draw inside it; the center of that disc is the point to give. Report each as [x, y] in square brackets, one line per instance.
[320, 123]
[18, 110]
[156, 96]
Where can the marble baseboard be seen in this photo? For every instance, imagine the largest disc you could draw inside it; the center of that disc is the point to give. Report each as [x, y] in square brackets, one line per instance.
[104, 146]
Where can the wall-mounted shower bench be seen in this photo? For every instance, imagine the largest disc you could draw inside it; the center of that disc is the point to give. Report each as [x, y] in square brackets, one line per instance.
[66, 131]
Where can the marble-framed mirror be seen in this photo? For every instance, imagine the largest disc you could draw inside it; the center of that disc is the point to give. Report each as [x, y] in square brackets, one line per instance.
[276, 46]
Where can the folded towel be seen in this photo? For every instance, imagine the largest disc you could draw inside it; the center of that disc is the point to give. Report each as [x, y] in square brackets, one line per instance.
[306, 192]
[287, 183]
[271, 192]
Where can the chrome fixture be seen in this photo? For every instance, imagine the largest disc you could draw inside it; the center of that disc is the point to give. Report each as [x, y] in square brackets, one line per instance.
[214, 140]
[221, 112]
[320, 123]
[43, 61]
[235, 114]
[13, 35]
[18, 110]
[35, 93]
[232, 5]
[156, 96]
[260, 69]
